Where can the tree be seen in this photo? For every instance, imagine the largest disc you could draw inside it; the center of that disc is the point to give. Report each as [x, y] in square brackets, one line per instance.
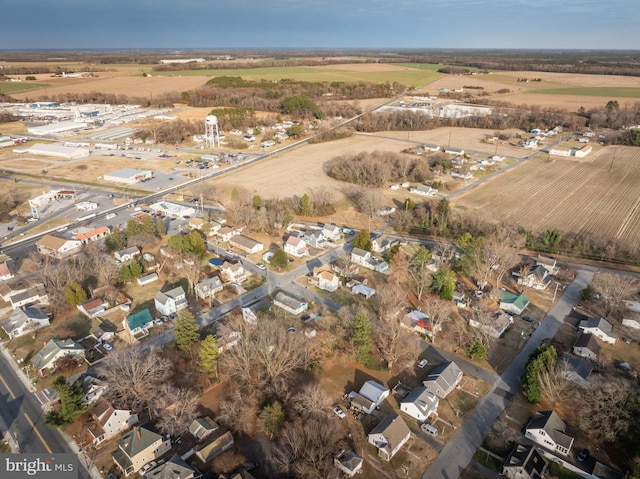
[438, 311]
[125, 273]
[470, 253]
[186, 330]
[295, 131]
[134, 378]
[477, 350]
[238, 412]
[605, 409]
[614, 289]
[161, 227]
[279, 259]
[70, 402]
[444, 283]
[136, 269]
[75, 294]
[361, 331]
[272, 418]
[370, 201]
[147, 225]
[363, 240]
[390, 339]
[305, 205]
[116, 240]
[133, 228]
[556, 383]
[176, 409]
[543, 357]
[208, 356]
[312, 401]
[300, 106]
[257, 202]
[551, 240]
[419, 271]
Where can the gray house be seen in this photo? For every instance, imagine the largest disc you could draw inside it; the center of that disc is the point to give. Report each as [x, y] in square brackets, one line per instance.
[524, 462]
[586, 346]
[443, 379]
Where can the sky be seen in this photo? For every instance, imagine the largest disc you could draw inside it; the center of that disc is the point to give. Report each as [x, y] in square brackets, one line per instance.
[376, 24]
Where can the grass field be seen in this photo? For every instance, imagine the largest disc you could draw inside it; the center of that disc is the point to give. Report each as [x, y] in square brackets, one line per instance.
[16, 87]
[593, 91]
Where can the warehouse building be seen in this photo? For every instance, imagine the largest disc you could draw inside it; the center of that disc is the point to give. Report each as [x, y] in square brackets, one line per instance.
[56, 128]
[128, 176]
[57, 151]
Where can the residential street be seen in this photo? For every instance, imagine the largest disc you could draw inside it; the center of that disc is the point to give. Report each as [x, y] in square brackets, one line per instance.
[458, 452]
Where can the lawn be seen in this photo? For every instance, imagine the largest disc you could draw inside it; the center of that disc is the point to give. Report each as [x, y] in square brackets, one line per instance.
[620, 92]
[17, 87]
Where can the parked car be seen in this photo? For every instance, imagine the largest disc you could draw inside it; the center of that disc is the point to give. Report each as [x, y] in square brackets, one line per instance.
[583, 455]
[306, 317]
[158, 321]
[423, 362]
[429, 429]
[528, 319]
[107, 346]
[261, 266]
[147, 467]
[251, 466]
[339, 412]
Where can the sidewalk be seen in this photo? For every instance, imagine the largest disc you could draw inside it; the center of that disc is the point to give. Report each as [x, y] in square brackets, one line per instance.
[19, 372]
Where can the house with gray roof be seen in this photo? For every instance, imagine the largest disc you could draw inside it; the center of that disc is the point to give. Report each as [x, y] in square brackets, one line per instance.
[600, 328]
[24, 320]
[389, 436]
[208, 287]
[547, 430]
[524, 462]
[174, 468]
[290, 303]
[245, 243]
[127, 254]
[138, 447]
[586, 346]
[348, 462]
[170, 301]
[202, 427]
[443, 379]
[420, 404]
[45, 359]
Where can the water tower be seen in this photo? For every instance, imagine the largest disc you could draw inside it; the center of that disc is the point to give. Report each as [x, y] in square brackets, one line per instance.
[211, 135]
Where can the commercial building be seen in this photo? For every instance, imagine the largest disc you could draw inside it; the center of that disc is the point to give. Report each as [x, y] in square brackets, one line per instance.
[128, 176]
[56, 151]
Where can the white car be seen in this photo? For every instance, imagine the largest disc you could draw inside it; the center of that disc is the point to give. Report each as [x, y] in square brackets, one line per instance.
[339, 412]
[422, 363]
[107, 346]
[148, 467]
[261, 266]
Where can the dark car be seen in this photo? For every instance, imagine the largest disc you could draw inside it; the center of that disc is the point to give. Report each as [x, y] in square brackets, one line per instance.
[583, 455]
[306, 317]
[251, 466]
[528, 319]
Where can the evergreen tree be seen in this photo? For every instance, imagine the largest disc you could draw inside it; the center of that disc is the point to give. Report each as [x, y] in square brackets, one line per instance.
[444, 283]
[361, 331]
[133, 228]
[147, 225]
[186, 331]
[272, 418]
[363, 240]
[305, 205]
[257, 202]
[544, 356]
[135, 269]
[422, 257]
[125, 273]
[160, 227]
[70, 402]
[279, 259]
[208, 356]
[477, 350]
[75, 294]
[116, 240]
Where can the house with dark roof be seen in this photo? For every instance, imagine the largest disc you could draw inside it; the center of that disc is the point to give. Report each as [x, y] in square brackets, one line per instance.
[170, 301]
[45, 359]
[23, 321]
[577, 370]
[420, 404]
[139, 447]
[174, 468]
[37, 294]
[547, 430]
[586, 346]
[536, 277]
[348, 462]
[443, 379]
[524, 462]
[290, 303]
[208, 287]
[389, 436]
[107, 421]
[600, 328]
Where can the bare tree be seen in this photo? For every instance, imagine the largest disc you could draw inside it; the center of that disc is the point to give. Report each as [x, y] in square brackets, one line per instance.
[555, 382]
[191, 269]
[134, 378]
[484, 316]
[370, 201]
[615, 289]
[604, 408]
[391, 340]
[306, 449]
[312, 400]
[421, 277]
[439, 312]
[239, 412]
[176, 408]
[499, 252]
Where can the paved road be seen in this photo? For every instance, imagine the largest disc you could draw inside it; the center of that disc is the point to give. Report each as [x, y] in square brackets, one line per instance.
[22, 416]
[459, 451]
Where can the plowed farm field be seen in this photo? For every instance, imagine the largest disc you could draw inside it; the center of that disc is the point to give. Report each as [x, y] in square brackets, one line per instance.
[597, 196]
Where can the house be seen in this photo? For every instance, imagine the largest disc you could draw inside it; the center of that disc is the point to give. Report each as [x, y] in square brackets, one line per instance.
[453, 151]
[196, 223]
[331, 232]
[215, 445]
[139, 323]
[147, 278]
[172, 210]
[513, 303]
[58, 247]
[208, 287]
[127, 254]
[24, 320]
[524, 462]
[5, 272]
[344, 267]
[420, 404]
[108, 422]
[431, 148]
[600, 328]
[363, 290]
[531, 143]
[360, 256]
[537, 277]
[93, 235]
[348, 462]
[549, 264]
[558, 151]
[233, 272]
[93, 307]
[459, 299]
[314, 239]
[296, 247]
[577, 370]
[382, 243]
[423, 190]
[443, 379]
[174, 468]
[138, 447]
[45, 359]
[586, 346]
[246, 244]
[290, 303]
[225, 233]
[494, 326]
[202, 427]
[170, 301]
[370, 396]
[389, 436]
[547, 430]
[92, 387]
[211, 228]
[418, 322]
[324, 278]
[33, 295]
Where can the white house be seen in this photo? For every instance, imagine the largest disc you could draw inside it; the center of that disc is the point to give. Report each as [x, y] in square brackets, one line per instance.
[246, 244]
[108, 422]
[513, 303]
[363, 290]
[170, 301]
[547, 430]
[225, 233]
[453, 151]
[420, 404]
[58, 247]
[208, 287]
[360, 256]
[370, 396]
[423, 190]
[549, 264]
[45, 359]
[127, 254]
[331, 232]
[33, 295]
[296, 247]
[389, 436]
[24, 320]
[348, 462]
[324, 278]
[557, 151]
[443, 379]
[233, 272]
[5, 272]
[537, 277]
[289, 303]
[600, 328]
